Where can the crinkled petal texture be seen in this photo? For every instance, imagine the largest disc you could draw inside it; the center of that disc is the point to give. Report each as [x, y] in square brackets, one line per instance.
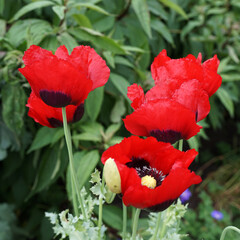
[136, 95]
[177, 71]
[134, 153]
[190, 94]
[50, 116]
[61, 80]
[164, 119]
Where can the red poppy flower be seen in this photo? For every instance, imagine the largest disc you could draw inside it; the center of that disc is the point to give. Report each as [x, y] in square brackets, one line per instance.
[153, 174]
[190, 94]
[177, 71]
[164, 119]
[50, 116]
[63, 79]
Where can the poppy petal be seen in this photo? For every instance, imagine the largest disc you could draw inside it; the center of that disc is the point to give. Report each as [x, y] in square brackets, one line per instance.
[64, 85]
[36, 53]
[62, 53]
[88, 61]
[173, 120]
[50, 116]
[136, 95]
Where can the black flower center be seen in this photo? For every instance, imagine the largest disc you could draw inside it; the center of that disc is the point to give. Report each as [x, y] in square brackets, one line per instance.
[55, 99]
[143, 169]
[168, 136]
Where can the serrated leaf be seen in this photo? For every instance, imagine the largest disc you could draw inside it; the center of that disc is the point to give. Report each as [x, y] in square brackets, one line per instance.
[30, 7]
[59, 10]
[121, 84]
[226, 100]
[141, 9]
[175, 7]
[93, 7]
[94, 103]
[163, 30]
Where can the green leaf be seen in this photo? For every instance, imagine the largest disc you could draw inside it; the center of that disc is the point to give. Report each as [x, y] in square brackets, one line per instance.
[87, 137]
[93, 7]
[163, 30]
[231, 77]
[232, 53]
[189, 27]
[141, 9]
[112, 216]
[44, 137]
[35, 30]
[226, 100]
[30, 7]
[118, 110]
[2, 27]
[193, 143]
[84, 165]
[53, 162]
[82, 20]
[94, 103]
[67, 40]
[121, 84]
[59, 10]
[123, 61]
[13, 106]
[175, 7]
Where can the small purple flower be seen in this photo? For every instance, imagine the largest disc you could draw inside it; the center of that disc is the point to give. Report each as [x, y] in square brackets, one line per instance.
[184, 197]
[217, 215]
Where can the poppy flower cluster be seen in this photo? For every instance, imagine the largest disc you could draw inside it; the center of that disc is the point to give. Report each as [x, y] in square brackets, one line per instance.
[61, 80]
[152, 173]
[180, 98]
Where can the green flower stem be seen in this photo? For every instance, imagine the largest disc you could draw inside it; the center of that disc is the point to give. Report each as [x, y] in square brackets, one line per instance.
[135, 223]
[72, 172]
[75, 206]
[124, 221]
[100, 209]
[227, 229]
[154, 237]
[180, 145]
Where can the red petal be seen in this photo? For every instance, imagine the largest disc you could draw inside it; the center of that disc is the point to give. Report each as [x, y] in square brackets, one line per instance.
[136, 95]
[89, 62]
[53, 74]
[62, 53]
[41, 112]
[36, 53]
[192, 96]
[185, 69]
[159, 61]
[163, 115]
[172, 187]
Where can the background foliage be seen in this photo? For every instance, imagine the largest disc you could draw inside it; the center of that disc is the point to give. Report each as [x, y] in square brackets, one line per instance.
[128, 35]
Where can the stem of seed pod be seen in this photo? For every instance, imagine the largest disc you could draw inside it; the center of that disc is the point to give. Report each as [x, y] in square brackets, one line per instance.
[227, 229]
[180, 145]
[135, 223]
[124, 221]
[154, 237]
[100, 209]
[72, 171]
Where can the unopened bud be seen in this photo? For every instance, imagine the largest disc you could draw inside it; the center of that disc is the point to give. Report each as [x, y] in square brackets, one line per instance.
[112, 176]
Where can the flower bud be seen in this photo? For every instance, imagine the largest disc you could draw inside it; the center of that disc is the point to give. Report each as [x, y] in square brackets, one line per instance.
[112, 176]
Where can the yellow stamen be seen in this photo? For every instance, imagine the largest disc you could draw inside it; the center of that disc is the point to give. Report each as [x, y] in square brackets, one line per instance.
[149, 181]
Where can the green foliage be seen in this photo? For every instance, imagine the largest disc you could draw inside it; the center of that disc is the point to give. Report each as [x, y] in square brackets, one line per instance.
[128, 35]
